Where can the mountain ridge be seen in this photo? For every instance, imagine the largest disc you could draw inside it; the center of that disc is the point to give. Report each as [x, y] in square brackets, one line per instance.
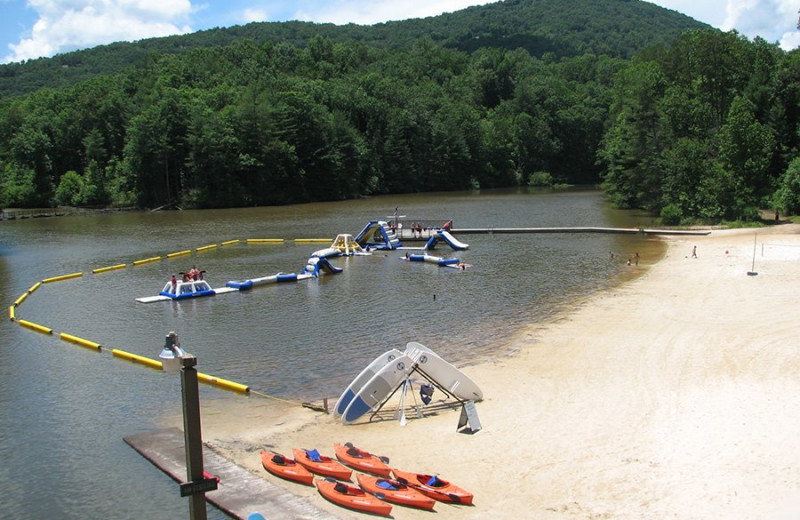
[562, 28]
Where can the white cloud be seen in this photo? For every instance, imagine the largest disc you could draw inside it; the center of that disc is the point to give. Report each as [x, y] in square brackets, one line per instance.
[65, 25]
[773, 20]
[343, 11]
[254, 15]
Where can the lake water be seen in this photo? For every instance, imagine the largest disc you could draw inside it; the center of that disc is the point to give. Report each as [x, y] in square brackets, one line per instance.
[65, 409]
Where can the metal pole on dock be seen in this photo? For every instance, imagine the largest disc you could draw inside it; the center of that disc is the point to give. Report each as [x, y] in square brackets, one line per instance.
[192, 437]
[196, 485]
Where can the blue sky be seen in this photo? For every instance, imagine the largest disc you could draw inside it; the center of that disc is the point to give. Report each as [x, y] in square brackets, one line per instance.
[34, 28]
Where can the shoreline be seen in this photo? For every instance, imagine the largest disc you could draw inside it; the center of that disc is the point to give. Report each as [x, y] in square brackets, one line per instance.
[669, 395]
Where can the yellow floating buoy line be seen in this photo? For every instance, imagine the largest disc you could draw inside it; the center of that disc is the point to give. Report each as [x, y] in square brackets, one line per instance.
[200, 249]
[146, 260]
[21, 298]
[62, 277]
[223, 383]
[80, 341]
[152, 363]
[35, 326]
[109, 268]
[265, 241]
[203, 378]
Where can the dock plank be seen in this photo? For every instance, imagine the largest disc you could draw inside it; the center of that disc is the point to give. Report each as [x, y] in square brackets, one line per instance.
[240, 492]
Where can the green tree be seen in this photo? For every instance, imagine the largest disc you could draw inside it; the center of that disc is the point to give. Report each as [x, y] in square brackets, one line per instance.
[68, 192]
[745, 149]
[787, 196]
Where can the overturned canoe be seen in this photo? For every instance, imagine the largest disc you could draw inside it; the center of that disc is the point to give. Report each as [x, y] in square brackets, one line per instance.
[362, 460]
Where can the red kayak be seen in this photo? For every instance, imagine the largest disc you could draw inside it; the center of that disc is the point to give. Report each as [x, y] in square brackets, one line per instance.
[350, 496]
[283, 467]
[320, 464]
[395, 492]
[434, 487]
[362, 460]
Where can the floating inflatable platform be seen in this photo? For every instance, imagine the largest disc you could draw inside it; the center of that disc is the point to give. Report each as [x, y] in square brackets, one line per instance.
[443, 262]
[185, 291]
[244, 285]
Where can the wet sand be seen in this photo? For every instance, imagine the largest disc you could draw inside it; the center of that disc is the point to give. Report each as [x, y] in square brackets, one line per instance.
[675, 395]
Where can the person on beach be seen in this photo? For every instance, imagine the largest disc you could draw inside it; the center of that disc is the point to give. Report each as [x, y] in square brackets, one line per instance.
[694, 252]
[636, 258]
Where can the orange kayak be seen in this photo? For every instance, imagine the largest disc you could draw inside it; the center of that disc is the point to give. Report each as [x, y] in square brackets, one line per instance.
[320, 464]
[395, 492]
[434, 487]
[346, 495]
[362, 460]
[283, 467]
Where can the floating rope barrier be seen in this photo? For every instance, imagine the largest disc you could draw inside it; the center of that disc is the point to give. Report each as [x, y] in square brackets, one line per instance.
[180, 253]
[62, 277]
[223, 383]
[21, 298]
[109, 268]
[265, 240]
[152, 363]
[35, 326]
[316, 408]
[80, 341]
[146, 260]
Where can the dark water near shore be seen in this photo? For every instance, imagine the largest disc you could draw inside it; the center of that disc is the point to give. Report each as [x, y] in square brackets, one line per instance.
[64, 409]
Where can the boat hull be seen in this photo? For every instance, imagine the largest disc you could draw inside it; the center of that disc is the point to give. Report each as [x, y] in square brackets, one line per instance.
[361, 460]
[443, 491]
[352, 497]
[395, 492]
[326, 466]
[286, 468]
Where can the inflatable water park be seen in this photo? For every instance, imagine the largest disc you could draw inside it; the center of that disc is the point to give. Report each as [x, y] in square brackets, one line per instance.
[377, 235]
[394, 371]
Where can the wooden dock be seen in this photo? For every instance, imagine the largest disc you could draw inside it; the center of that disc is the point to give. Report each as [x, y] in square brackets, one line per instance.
[622, 231]
[406, 235]
[240, 492]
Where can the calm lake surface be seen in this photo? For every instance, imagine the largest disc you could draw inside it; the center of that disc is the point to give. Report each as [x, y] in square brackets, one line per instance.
[65, 409]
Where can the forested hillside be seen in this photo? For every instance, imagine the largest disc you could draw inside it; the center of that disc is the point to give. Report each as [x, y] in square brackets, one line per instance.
[702, 126]
[617, 28]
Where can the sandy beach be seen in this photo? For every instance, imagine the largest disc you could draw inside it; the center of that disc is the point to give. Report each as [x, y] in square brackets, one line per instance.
[675, 395]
